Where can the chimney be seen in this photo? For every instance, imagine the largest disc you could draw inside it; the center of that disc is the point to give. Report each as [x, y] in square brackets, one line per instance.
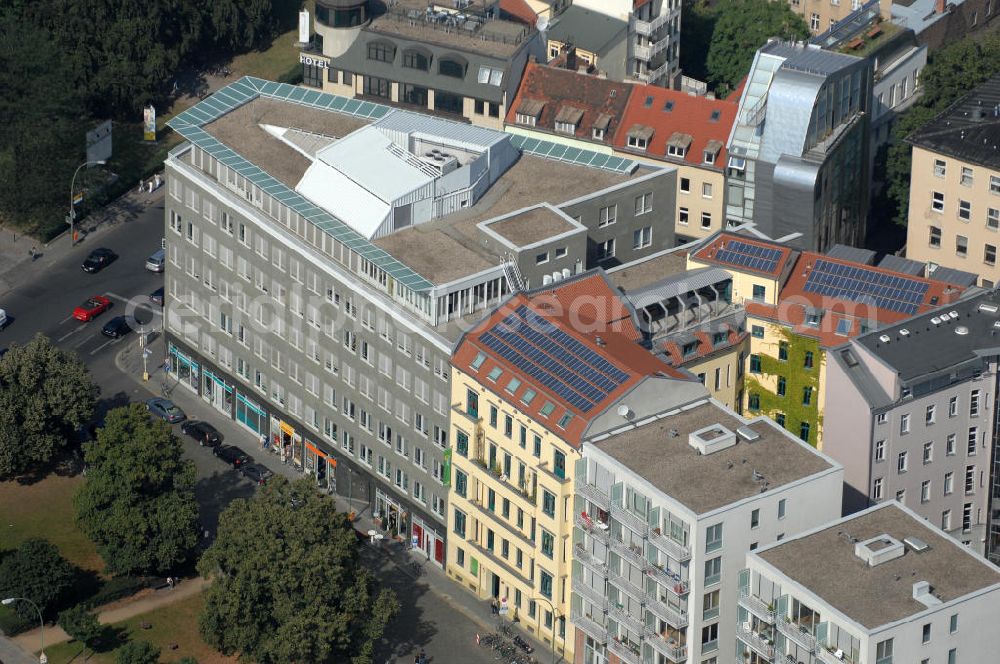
[532, 59]
[939, 6]
[571, 57]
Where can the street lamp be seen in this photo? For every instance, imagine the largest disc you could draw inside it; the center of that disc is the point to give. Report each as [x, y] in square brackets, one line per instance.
[72, 188]
[42, 659]
[555, 619]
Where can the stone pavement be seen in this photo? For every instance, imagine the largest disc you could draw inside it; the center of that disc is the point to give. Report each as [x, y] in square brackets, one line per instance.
[16, 264]
[160, 597]
[411, 563]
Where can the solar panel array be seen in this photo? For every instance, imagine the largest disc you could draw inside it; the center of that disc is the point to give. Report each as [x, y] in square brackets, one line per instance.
[554, 359]
[749, 255]
[560, 152]
[865, 286]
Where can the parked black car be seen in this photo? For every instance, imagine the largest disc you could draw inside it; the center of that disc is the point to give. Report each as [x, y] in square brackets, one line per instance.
[256, 473]
[116, 328]
[232, 455]
[99, 259]
[203, 432]
[156, 297]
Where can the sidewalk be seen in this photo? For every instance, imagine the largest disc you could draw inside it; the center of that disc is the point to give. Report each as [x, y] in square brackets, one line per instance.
[129, 361]
[16, 265]
[29, 640]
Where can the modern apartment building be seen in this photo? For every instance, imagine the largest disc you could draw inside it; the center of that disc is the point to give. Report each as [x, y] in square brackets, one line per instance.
[910, 413]
[897, 60]
[549, 367]
[565, 106]
[798, 151]
[457, 59]
[666, 508]
[654, 37]
[954, 216]
[877, 587]
[322, 253]
[689, 132]
[819, 301]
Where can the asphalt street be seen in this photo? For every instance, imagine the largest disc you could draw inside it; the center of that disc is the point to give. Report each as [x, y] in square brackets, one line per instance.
[436, 614]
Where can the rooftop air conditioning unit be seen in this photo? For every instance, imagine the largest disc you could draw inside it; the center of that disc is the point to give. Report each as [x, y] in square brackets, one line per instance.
[903, 332]
[936, 320]
[953, 315]
[884, 338]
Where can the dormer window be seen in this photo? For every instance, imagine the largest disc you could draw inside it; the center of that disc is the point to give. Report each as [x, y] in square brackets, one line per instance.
[678, 144]
[638, 137]
[490, 75]
[414, 59]
[689, 349]
[568, 119]
[712, 150]
[381, 51]
[528, 112]
[600, 129]
[452, 66]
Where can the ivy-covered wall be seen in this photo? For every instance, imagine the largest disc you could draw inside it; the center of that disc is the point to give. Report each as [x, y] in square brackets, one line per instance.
[797, 377]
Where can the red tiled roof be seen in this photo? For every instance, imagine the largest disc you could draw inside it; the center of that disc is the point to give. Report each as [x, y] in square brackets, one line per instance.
[518, 10]
[709, 253]
[600, 99]
[675, 354]
[794, 302]
[593, 314]
[689, 115]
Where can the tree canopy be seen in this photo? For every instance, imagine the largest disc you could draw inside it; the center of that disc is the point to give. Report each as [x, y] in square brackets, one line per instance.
[732, 31]
[138, 652]
[46, 395]
[81, 625]
[951, 72]
[288, 583]
[138, 502]
[35, 570]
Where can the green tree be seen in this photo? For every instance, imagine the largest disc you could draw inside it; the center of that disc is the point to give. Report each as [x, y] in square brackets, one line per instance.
[950, 73]
[35, 570]
[323, 608]
[46, 394]
[741, 27]
[137, 652]
[81, 625]
[138, 502]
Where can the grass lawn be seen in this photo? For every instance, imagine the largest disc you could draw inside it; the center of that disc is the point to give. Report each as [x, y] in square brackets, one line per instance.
[176, 623]
[45, 509]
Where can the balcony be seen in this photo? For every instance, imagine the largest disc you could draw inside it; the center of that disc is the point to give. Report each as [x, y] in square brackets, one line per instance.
[666, 647]
[647, 53]
[827, 657]
[626, 586]
[678, 552]
[461, 410]
[595, 597]
[590, 560]
[655, 75]
[624, 651]
[592, 527]
[632, 553]
[672, 582]
[755, 641]
[798, 634]
[665, 612]
[627, 518]
[757, 606]
[646, 28]
[621, 616]
[593, 494]
[590, 627]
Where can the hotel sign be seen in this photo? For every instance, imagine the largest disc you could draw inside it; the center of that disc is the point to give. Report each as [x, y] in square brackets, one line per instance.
[309, 60]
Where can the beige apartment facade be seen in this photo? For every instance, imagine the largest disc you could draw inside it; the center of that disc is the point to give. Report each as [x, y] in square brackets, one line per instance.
[821, 15]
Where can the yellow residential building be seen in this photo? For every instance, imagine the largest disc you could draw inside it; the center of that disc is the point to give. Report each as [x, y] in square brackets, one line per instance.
[954, 214]
[528, 383]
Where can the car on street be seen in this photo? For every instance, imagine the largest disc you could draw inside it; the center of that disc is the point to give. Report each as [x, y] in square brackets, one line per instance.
[3, 319]
[203, 432]
[98, 260]
[232, 455]
[92, 308]
[116, 328]
[156, 297]
[157, 261]
[165, 410]
[256, 473]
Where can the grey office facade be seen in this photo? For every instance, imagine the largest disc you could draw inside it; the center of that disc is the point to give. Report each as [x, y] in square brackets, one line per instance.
[324, 253]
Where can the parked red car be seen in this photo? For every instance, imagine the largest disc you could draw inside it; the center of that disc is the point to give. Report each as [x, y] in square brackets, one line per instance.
[92, 308]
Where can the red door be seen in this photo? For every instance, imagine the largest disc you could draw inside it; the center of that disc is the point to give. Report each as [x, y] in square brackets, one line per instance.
[418, 535]
[439, 551]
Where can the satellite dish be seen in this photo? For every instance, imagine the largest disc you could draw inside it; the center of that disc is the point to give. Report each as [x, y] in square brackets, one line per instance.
[542, 24]
[625, 411]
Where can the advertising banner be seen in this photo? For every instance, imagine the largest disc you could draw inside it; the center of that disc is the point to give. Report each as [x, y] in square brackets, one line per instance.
[149, 123]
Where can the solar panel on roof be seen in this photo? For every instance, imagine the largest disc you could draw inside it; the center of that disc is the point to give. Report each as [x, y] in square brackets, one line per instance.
[557, 151]
[553, 358]
[866, 286]
[749, 255]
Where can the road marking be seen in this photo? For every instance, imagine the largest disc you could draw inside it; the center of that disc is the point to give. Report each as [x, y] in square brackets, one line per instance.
[120, 297]
[85, 340]
[66, 319]
[103, 346]
[72, 332]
